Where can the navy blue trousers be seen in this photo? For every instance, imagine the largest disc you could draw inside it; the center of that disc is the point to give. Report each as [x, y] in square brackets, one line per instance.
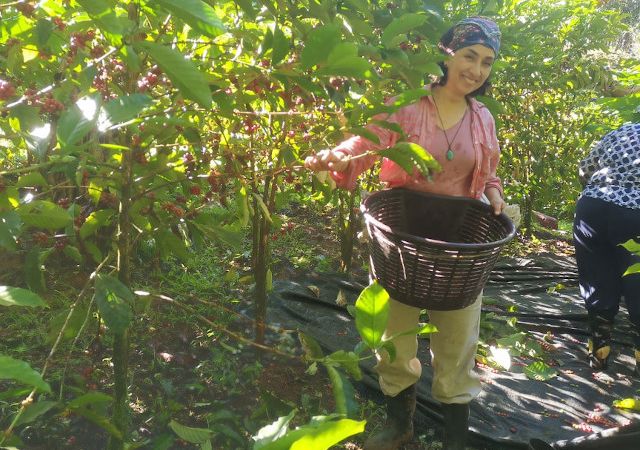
[599, 226]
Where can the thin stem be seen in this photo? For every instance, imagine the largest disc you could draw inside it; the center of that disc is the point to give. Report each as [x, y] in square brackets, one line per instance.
[224, 330]
[29, 400]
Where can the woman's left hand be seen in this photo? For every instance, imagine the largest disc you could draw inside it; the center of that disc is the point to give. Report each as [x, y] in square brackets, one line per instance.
[495, 199]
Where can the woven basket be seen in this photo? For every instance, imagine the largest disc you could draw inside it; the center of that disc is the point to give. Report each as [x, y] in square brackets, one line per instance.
[433, 251]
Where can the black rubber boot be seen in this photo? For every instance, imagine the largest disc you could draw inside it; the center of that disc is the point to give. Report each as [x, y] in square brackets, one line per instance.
[398, 428]
[599, 345]
[456, 425]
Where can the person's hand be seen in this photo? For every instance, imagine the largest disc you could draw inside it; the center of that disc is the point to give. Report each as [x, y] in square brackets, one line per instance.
[495, 200]
[327, 160]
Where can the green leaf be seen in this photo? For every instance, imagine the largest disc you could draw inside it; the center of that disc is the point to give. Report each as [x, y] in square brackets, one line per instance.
[410, 156]
[103, 15]
[93, 250]
[319, 44]
[95, 220]
[125, 108]
[343, 393]
[280, 46]
[99, 420]
[635, 268]
[31, 180]
[43, 31]
[512, 340]
[114, 302]
[540, 371]
[311, 348]
[131, 58]
[73, 126]
[171, 245]
[183, 72]
[10, 226]
[20, 371]
[90, 398]
[408, 97]
[192, 435]
[113, 146]
[225, 234]
[14, 296]
[73, 326]
[269, 281]
[242, 203]
[73, 253]
[349, 361]
[33, 270]
[341, 51]
[367, 134]
[492, 104]
[321, 433]
[247, 7]
[632, 404]
[198, 14]
[372, 314]
[34, 411]
[401, 25]
[350, 66]
[632, 245]
[269, 434]
[425, 328]
[324, 435]
[44, 214]
[390, 348]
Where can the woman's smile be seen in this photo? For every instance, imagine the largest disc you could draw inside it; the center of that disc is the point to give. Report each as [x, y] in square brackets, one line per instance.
[470, 67]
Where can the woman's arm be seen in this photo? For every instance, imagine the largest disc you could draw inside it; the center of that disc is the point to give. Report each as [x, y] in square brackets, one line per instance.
[493, 187]
[349, 159]
[495, 199]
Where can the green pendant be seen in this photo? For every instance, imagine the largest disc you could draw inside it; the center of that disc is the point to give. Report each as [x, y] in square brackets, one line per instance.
[449, 155]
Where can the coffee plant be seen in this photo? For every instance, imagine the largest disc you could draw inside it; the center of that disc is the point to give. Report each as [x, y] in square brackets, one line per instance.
[139, 130]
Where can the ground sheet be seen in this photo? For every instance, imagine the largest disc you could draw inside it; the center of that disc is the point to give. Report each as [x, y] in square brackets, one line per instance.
[573, 409]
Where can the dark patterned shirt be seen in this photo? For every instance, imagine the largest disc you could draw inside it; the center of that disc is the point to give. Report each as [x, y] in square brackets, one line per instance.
[612, 169]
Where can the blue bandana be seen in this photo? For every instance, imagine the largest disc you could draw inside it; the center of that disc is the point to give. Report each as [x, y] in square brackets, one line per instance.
[471, 31]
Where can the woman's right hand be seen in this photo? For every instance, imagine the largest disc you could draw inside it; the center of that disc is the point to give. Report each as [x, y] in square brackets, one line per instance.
[327, 160]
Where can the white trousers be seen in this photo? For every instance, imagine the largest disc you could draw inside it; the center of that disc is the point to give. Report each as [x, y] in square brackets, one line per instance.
[453, 350]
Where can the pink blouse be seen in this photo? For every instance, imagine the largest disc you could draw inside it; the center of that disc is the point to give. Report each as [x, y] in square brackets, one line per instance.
[419, 122]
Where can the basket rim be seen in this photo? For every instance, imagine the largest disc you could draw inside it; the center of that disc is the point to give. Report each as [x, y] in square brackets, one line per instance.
[434, 242]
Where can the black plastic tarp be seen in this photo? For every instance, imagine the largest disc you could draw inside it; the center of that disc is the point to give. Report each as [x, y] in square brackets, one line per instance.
[572, 409]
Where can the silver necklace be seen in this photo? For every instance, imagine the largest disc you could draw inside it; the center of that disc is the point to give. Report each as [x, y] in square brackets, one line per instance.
[450, 154]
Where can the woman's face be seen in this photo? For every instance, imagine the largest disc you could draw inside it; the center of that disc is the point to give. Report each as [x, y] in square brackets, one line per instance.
[469, 68]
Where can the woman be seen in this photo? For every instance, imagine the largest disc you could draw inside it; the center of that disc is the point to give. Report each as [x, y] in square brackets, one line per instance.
[460, 133]
[607, 215]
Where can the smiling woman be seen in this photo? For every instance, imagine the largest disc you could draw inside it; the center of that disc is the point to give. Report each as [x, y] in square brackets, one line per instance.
[460, 134]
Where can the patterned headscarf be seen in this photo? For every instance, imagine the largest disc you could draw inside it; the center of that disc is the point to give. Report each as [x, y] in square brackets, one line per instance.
[474, 30]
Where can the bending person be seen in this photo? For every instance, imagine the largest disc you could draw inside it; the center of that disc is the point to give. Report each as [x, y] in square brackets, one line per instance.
[607, 215]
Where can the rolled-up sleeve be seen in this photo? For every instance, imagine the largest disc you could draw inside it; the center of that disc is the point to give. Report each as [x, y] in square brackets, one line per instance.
[356, 146]
[493, 181]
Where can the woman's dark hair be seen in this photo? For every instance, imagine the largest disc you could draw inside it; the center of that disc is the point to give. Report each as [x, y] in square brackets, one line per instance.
[482, 90]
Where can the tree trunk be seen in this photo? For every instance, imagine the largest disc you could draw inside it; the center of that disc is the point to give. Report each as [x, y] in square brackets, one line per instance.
[348, 230]
[262, 228]
[121, 340]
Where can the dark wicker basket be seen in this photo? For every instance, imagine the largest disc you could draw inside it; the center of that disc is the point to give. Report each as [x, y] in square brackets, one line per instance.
[433, 251]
